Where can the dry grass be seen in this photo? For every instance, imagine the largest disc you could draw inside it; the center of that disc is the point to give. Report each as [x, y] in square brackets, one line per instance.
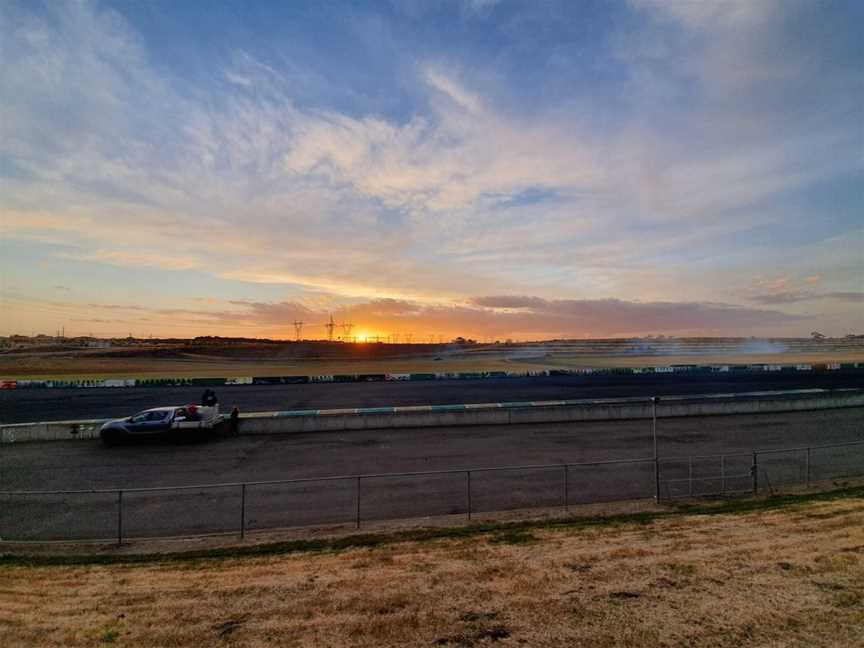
[792, 576]
[95, 367]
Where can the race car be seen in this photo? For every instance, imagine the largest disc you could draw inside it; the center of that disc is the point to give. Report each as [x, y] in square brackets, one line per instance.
[169, 421]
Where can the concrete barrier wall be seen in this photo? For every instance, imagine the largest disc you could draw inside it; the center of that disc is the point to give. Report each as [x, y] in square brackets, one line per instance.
[289, 422]
[548, 412]
[51, 431]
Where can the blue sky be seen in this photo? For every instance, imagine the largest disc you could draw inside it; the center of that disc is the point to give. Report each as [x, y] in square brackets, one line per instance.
[614, 168]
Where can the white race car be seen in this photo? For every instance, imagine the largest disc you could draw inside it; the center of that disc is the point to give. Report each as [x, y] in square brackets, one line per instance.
[161, 421]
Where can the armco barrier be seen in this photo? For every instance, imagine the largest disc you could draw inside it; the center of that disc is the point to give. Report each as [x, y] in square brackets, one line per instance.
[560, 411]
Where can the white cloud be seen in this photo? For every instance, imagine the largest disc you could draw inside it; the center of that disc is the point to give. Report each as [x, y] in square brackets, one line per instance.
[238, 79]
[138, 258]
[479, 6]
[443, 83]
[712, 13]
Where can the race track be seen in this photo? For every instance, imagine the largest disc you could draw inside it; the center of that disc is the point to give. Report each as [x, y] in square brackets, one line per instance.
[26, 405]
[153, 463]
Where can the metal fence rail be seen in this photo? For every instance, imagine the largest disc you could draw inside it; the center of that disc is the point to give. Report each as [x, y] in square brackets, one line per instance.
[241, 507]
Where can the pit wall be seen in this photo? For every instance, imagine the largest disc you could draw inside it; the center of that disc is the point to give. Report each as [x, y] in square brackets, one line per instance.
[301, 421]
[341, 378]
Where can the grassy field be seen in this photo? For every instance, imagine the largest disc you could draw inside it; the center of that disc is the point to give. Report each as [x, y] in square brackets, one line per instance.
[787, 574]
[94, 367]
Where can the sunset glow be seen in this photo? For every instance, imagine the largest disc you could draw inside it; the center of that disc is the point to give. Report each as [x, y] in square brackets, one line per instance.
[482, 169]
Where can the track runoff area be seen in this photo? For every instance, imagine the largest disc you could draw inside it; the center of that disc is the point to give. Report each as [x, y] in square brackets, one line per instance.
[152, 463]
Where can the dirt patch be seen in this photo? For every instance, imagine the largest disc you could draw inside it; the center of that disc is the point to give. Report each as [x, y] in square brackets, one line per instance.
[474, 617]
[513, 538]
[224, 629]
[466, 640]
[624, 595]
[579, 568]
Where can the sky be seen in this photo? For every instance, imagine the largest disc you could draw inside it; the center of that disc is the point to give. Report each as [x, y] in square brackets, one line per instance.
[490, 169]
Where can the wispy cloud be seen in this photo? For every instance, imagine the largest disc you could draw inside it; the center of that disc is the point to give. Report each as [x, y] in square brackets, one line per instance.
[616, 178]
[448, 86]
[774, 299]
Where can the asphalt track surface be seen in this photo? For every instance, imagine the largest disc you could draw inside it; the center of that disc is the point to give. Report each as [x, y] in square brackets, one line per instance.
[72, 465]
[28, 405]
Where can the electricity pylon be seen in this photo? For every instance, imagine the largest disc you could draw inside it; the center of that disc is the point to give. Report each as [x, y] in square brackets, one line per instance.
[346, 331]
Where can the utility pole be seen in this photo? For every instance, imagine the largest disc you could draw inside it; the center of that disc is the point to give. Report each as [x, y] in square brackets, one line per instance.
[298, 329]
[654, 401]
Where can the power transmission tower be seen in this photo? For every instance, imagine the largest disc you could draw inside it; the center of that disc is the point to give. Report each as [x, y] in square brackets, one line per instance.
[330, 326]
[298, 329]
[408, 338]
[346, 331]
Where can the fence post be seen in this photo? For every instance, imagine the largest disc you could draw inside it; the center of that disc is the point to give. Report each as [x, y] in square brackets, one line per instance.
[690, 475]
[566, 493]
[754, 469]
[654, 401]
[243, 510]
[468, 491]
[807, 469]
[119, 517]
[357, 509]
[722, 474]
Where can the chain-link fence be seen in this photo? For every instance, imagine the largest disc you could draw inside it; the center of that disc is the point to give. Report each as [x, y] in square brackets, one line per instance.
[759, 471]
[355, 499]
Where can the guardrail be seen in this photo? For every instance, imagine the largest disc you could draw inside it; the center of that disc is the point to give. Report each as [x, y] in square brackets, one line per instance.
[243, 507]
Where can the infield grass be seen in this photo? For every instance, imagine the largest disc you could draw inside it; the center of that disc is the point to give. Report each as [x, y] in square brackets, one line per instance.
[96, 367]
